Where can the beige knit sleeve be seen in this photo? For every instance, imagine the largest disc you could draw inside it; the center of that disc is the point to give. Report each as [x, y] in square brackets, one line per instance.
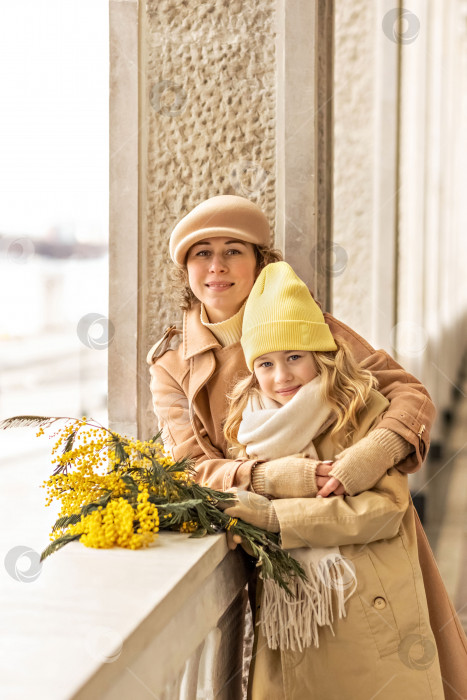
[286, 477]
[360, 466]
[258, 479]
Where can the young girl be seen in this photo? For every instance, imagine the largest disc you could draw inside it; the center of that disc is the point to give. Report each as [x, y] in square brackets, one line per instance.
[359, 628]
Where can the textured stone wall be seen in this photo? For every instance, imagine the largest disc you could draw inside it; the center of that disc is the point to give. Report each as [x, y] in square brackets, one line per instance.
[353, 163]
[209, 70]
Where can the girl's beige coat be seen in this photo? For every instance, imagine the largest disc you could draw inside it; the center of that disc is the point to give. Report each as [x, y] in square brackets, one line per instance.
[189, 387]
[385, 647]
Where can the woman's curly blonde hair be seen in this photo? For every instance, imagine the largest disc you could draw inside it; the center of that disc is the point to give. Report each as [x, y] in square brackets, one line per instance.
[264, 255]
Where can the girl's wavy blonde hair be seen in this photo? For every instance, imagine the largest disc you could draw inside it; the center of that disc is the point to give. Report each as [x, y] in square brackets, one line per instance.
[345, 387]
[179, 275]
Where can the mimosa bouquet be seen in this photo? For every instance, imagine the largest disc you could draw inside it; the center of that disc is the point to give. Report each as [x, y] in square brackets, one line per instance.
[120, 491]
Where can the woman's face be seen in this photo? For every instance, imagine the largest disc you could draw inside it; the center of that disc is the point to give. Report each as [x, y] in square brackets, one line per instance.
[221, 273]
[281, 374]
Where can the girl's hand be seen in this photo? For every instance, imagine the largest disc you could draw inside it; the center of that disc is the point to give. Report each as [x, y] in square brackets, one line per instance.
[233, 540]
[328, 484]
[252, 502]
[254, 509]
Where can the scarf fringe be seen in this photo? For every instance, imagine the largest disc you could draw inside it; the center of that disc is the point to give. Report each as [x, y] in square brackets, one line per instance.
[293, 623]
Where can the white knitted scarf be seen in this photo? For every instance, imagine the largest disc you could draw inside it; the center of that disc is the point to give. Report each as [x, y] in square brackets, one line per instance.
[269, 431]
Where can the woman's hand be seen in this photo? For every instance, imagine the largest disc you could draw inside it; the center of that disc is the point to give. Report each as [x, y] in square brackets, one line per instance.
[328, 484]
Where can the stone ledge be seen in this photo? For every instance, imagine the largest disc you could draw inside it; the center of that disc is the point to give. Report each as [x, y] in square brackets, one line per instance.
[92, 613]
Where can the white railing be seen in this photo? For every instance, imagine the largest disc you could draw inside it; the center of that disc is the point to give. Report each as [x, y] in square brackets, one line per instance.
[188, 645]
[165, 622]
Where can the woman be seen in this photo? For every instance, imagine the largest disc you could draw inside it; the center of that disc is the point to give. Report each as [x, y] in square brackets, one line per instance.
[219, 249]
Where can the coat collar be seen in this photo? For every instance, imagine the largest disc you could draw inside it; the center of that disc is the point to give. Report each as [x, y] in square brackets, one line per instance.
[196, 337]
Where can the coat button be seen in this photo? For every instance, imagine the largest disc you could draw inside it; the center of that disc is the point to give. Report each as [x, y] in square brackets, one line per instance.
[379, 603]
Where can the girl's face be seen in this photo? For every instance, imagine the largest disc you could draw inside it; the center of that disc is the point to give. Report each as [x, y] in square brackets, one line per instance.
[221, 273]
[281, 374]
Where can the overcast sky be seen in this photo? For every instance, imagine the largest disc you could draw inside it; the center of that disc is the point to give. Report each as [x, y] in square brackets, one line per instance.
[54, 117]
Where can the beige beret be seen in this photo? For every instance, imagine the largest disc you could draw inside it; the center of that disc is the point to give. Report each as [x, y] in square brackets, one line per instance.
[224, 215]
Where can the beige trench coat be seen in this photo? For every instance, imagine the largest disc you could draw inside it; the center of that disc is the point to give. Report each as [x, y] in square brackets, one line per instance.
[385, 647]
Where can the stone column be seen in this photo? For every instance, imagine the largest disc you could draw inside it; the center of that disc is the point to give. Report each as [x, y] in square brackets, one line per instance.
[409, 337]
[365, 169]
[304, 140]
[124, 238]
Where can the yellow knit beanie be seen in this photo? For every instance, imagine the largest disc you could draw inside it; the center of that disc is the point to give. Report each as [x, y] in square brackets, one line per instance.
[281, 314]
